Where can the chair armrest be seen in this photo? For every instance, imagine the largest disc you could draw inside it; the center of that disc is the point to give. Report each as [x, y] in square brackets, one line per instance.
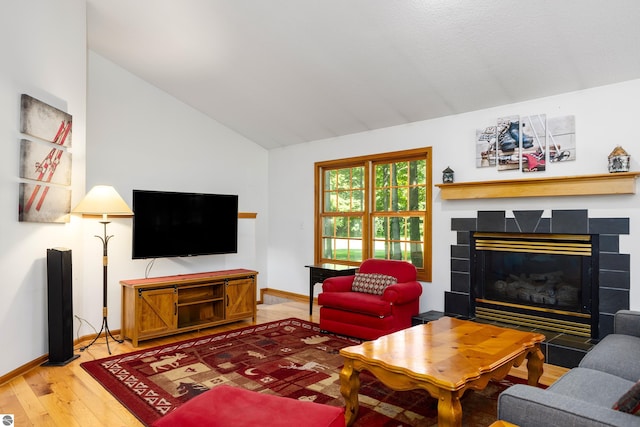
[338, 284]
[627, 322]
[528, 406]
[402, 293]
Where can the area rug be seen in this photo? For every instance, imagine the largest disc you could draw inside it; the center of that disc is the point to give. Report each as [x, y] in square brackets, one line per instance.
[290, 358]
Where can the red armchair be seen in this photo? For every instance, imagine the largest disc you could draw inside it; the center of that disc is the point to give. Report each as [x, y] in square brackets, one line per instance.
[369, 315]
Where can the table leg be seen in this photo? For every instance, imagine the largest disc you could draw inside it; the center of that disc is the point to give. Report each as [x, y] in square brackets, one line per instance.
[535, 363]
[449, 409]
[349, 387]
[311, 289]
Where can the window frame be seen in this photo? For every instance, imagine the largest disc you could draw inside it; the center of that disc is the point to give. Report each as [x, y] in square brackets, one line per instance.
[368, 236]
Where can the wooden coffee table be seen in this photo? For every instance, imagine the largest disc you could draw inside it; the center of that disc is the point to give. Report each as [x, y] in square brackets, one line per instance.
[444, 357]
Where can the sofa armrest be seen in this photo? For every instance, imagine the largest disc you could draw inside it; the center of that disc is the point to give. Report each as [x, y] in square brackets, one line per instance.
[338, 284]
[528, 406]
[402, 293]
[627, 322]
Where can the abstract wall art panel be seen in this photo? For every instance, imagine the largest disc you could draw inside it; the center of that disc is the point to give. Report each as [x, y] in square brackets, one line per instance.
[486, 147]
[44, 121]
[533, 142]
[43, 203]
[562, 138]
[44, 162]
[508, 143]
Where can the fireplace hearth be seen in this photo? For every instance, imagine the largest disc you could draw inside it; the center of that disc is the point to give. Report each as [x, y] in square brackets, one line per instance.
[533, 293]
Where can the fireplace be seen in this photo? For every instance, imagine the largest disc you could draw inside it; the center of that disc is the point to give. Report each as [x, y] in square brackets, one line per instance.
[546, 281]
[610, 282]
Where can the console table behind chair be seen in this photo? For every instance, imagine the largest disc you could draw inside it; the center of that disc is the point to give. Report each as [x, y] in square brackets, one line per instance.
[319, 272]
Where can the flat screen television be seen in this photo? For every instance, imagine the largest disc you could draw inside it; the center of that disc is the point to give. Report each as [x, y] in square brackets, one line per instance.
[174, 224]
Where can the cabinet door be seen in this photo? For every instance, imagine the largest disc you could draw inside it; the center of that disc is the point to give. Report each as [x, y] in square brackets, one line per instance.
[156, 311]
[241, 298]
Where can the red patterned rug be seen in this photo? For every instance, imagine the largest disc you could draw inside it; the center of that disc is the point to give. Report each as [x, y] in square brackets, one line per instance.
[289, 358]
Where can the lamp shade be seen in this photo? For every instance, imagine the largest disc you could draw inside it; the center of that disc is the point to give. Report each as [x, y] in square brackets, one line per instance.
[102, 200]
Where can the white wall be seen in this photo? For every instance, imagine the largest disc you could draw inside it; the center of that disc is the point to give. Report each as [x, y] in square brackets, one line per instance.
[139, 137]
[43, 50]
[605, 117]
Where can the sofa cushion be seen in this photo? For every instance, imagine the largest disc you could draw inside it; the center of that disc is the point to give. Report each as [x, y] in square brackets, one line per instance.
[581, 384]
[372, 283]
[627, 322]
[528, 406]
[617, 355]
[630, 401]
[356, 302]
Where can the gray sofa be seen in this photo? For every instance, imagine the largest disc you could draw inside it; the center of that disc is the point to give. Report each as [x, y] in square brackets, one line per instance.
[584, 395]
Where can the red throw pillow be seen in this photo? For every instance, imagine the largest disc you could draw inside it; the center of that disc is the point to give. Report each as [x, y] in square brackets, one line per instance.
[372, 283]
[630, 401]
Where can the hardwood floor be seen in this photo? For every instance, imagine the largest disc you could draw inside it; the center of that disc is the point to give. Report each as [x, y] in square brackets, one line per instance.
[67, 396]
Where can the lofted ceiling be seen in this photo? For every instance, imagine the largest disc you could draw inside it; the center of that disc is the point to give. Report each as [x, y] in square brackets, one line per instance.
[284, 72]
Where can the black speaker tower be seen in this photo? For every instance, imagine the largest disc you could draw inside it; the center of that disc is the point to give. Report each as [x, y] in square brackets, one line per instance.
[60, 307]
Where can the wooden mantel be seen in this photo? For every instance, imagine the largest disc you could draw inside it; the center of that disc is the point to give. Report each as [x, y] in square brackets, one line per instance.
[610, 183]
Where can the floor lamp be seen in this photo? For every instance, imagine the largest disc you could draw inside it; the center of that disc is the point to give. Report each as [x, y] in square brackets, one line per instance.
[103, 201]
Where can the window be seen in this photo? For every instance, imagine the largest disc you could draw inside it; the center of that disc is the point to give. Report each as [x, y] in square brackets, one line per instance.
[377, 206]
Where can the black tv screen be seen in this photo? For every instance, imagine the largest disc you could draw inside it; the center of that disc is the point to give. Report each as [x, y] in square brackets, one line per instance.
[174, 224]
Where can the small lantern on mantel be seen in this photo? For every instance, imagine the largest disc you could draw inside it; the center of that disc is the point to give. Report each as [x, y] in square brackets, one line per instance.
[447, 175]
[619, 160]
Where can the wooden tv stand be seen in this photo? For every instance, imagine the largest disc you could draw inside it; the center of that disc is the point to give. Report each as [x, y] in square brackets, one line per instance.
[161, 306]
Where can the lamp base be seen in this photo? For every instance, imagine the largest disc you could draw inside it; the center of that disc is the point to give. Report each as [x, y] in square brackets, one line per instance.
[107, 334]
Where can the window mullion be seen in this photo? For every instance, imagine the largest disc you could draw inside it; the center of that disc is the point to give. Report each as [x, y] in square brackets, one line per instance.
[366, 232]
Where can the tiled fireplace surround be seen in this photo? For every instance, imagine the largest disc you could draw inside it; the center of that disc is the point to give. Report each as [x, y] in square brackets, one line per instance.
[614, 275]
